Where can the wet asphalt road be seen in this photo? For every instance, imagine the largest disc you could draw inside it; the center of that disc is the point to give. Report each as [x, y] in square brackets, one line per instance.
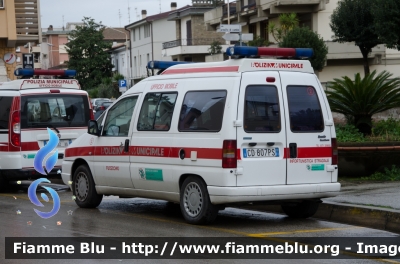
[153, 218]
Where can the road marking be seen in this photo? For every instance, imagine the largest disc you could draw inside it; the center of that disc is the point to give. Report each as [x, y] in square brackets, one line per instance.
[302, 231]
[277, 239]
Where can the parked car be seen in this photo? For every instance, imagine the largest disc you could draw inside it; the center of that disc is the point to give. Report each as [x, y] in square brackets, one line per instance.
[101, 108]
[97, 101]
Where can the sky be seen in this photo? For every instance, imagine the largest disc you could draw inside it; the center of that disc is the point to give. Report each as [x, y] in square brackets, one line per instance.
[112, 13]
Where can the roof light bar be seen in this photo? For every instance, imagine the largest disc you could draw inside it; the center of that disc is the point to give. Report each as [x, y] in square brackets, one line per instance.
[262, 51]
[32, 72]
[162, 65]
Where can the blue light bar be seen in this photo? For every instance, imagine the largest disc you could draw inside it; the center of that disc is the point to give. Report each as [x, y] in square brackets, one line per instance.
[263, 51]
[32, 72]
[162, 65]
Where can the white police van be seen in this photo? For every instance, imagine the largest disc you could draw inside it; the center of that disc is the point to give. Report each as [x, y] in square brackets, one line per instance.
[209, 135]
[27, 108]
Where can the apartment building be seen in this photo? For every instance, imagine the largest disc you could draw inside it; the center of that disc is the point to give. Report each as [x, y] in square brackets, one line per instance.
[193, 40]
[20, 25]
[342, 59]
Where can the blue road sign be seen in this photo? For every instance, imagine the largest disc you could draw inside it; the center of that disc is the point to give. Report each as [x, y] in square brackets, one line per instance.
[122, 83]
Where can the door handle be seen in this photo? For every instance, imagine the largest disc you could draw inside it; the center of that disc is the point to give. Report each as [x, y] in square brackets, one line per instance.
[270, 144]
[293, 150]
[126, 147]
[252, 144]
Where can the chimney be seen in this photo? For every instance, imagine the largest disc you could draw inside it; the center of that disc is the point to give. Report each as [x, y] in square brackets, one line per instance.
[50, 28]
[173, 6]
[144, 14]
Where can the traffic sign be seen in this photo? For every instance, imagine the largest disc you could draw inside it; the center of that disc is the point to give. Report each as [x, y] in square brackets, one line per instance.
[27, 61]
[230, 28]
[247, 37]
[235, 37]
[122, 85]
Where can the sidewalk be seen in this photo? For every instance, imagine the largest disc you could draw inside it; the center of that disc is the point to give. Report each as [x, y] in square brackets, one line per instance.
[375, 205]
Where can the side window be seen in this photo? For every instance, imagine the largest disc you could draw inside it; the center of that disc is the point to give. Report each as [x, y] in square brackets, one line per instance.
[202, 111]
[304, 109]
[5, 106]
[261, 111]
[119, 117]
[156, 112]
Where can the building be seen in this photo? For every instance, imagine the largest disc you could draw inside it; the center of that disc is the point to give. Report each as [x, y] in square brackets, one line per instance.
[342, 59]
[54, 54]
[120, 55]
[20, 25]
[146, 39]
[193, 40]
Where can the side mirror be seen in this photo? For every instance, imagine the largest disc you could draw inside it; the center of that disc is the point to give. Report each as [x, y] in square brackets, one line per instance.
[93, 128]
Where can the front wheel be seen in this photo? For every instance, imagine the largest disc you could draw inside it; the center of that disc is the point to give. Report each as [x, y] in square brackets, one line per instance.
[195, 202]
[304, 209]
[83, 188]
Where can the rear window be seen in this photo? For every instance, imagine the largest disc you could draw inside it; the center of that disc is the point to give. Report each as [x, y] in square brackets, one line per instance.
[261, 112]
[202, 111]
[5, 106]
[58, 110]
[304, 109]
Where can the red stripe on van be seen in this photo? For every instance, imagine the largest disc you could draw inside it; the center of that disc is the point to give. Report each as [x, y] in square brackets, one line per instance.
[314, 152]
[80, 151]
[29, 146]
[199, 70]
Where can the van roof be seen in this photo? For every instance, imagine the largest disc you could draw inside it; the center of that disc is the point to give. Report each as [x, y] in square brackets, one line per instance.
[242, 65]
[24, 84]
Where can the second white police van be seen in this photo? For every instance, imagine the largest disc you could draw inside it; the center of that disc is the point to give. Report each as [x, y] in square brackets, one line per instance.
[209, 135]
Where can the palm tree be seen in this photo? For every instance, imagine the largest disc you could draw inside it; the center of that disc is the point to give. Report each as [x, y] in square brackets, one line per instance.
[287, 22]
[360, 99]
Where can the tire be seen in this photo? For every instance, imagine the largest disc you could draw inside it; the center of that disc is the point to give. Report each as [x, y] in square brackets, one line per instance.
[83, 188]
[304, 209]
[195, 202]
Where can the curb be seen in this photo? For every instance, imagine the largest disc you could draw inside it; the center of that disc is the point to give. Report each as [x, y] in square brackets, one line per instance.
[366, 216]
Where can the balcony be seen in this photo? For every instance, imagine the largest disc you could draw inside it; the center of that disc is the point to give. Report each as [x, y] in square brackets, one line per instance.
[189, 42]
[189, 46]
[27, 21]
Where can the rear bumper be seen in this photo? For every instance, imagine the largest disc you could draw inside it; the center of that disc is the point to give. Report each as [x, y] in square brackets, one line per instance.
[29, 174]
[223, 195]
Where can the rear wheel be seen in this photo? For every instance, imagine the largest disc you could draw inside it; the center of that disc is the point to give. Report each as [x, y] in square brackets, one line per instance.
[304, 209]
[195, 202]
[84, 190]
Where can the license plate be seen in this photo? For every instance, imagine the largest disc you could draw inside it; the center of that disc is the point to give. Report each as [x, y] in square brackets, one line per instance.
[62, 142]
[260, 152]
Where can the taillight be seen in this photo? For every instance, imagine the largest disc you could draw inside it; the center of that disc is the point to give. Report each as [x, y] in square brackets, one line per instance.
[102, 108]
[229, 160]
[16, 129]
[334, 152]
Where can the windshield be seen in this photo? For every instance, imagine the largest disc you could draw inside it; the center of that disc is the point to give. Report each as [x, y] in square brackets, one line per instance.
[57, 110]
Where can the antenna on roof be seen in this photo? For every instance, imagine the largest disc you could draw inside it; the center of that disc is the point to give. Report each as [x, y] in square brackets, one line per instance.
[160, 6]
[119, 15]
[63, 23]
[129, 13]
[137, 15]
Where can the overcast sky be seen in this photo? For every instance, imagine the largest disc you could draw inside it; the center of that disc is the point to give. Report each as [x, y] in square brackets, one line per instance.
[106, 11]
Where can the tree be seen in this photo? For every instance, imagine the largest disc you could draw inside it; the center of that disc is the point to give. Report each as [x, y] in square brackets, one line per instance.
[387, 20]
[287, 22]
[353, 21]
[360, 99]
[303, 37]
[215, 47]
[258, 42]
[87, 54]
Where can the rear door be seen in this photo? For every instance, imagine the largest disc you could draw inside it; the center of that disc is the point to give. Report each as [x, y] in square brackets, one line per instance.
[262, 137]
[308, 137]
